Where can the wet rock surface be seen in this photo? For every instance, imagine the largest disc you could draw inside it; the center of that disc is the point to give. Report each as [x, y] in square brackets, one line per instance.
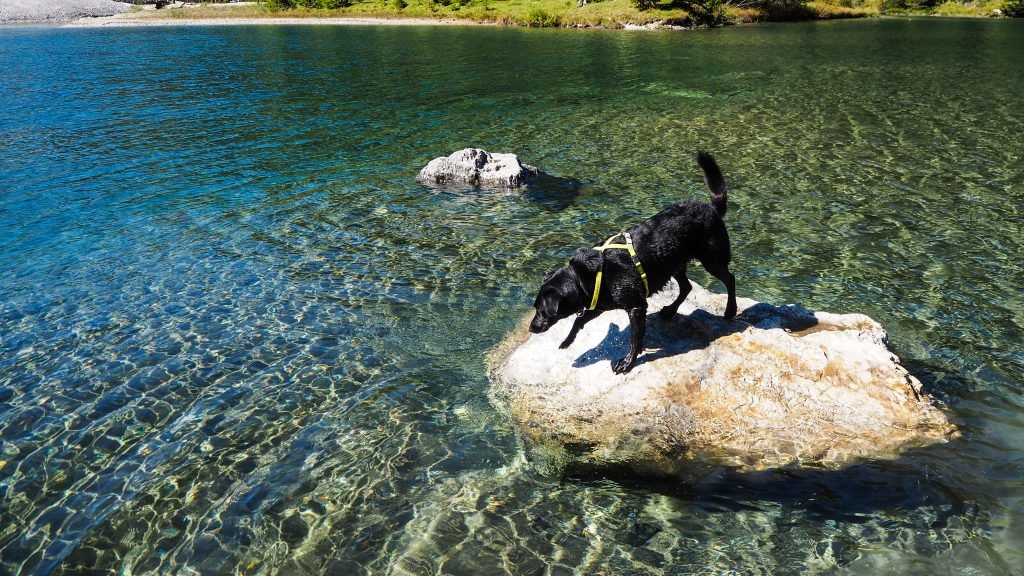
[777, 386]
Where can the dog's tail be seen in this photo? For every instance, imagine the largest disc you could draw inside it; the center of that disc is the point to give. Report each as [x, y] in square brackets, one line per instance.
[713, 178]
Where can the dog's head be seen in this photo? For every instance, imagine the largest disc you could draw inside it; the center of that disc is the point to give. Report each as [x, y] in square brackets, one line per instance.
[556, 299]
[560, 294]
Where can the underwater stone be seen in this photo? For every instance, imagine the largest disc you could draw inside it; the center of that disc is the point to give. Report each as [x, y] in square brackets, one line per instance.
[479, 168]
[777, 386]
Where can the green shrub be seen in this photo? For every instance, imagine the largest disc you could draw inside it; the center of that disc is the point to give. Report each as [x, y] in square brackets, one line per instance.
[702, 12]
[399, 4]
[708, 12]
[908, 5]
[540, 18]
[1013, 8]
[322, 4]
[778, 5]
[644, 4]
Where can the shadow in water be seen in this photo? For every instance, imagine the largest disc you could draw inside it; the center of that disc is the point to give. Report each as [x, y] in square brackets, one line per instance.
[919, 478]
[687, 332]
[554, 193]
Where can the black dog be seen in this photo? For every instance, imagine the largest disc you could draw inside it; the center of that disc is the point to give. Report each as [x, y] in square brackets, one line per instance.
[664, 244]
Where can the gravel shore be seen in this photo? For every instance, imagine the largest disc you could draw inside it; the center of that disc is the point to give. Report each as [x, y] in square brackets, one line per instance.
[56, 11]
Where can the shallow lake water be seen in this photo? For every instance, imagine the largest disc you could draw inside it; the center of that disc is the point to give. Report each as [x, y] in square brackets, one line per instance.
[237, 337]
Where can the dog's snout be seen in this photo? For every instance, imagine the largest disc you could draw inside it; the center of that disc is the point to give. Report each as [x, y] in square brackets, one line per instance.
[539, 324]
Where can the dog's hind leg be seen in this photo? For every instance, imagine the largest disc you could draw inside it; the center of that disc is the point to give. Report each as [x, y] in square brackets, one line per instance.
[638, 326]
[578, 325]
[684, 289]
[723, 274]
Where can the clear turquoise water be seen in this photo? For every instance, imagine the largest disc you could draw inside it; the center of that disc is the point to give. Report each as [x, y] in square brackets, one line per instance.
[237, 337]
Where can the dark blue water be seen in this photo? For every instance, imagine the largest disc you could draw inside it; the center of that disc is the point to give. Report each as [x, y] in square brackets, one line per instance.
[237, 337]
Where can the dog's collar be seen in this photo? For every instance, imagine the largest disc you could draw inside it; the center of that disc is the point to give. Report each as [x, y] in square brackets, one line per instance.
[628, 246]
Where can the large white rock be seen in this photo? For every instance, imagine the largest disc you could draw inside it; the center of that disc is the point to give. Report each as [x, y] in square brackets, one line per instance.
[777, 386]
[478, 168]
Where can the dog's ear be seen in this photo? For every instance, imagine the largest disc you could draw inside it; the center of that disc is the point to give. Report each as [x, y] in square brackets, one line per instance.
[548, 276]
[586, 261]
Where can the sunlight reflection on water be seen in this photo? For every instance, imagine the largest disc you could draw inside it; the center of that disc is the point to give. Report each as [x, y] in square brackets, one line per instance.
[235, 334]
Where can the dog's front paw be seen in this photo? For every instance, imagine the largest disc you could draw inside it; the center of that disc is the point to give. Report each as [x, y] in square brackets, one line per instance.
[565, 343]
[624, 365]
[667, 313]
[730, 312]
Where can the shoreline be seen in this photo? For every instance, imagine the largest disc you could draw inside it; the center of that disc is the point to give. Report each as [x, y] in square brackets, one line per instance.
[125, 21]
[609, 14]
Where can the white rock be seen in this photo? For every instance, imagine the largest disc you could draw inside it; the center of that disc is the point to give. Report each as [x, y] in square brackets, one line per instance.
[778, 386]
[479, 168]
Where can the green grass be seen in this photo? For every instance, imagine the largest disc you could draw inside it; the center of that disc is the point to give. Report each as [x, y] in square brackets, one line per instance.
[565, 13]
[819, 10]
[538, 13]
[972, 8]
[967, 9]
[604, 14]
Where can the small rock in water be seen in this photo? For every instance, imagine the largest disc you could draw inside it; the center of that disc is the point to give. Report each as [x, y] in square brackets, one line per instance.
[777, 386]
[478, 168]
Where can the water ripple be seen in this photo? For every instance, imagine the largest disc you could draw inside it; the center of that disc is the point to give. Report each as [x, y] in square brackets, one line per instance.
[236, 336]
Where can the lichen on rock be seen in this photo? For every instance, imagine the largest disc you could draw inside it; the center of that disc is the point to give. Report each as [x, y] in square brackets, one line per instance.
[777, 386]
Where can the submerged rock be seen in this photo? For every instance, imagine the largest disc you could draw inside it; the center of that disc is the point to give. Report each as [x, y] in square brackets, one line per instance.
[479, 168]
[777, 386]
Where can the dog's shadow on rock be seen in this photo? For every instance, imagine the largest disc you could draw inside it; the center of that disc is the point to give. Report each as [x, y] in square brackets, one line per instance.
[695, 331]
[790, 317]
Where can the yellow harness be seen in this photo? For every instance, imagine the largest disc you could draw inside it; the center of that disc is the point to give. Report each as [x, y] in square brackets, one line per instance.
[632, 254]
